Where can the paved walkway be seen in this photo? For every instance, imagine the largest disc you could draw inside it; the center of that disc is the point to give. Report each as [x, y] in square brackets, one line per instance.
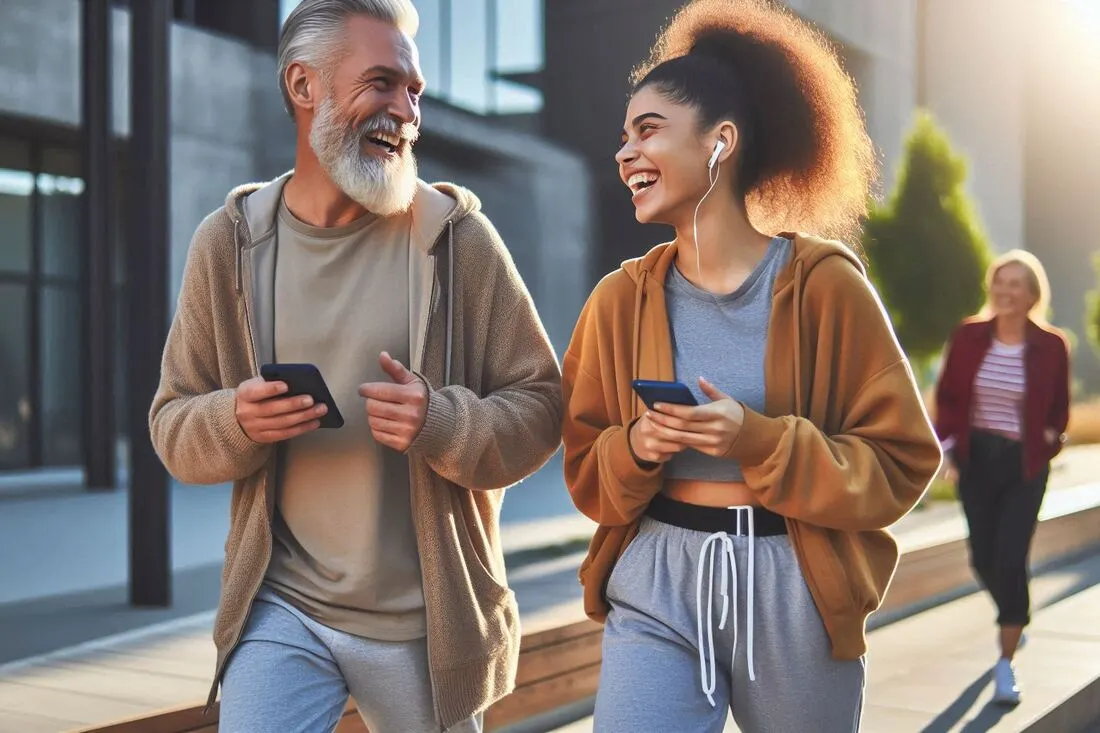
[142, 668]
[930, 673]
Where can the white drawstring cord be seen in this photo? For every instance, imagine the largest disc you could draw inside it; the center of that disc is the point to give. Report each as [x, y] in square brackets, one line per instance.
[707, 663]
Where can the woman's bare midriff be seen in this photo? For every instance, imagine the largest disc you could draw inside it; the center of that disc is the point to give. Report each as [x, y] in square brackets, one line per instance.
[710, 493]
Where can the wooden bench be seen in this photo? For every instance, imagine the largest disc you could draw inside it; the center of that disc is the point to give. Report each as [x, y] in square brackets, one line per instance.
[556, 667]
[559, 667]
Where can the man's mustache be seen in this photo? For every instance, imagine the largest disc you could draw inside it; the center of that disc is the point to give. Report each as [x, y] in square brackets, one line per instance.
[385, 124]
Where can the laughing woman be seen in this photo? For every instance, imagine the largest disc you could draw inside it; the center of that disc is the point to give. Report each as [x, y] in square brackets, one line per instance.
[741, 542]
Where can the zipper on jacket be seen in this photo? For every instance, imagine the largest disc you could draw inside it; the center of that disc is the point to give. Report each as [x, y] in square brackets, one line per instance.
[219, 671]
[412, 495]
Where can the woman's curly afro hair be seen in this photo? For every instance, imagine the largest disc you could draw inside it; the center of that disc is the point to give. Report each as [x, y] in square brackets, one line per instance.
[806, 162]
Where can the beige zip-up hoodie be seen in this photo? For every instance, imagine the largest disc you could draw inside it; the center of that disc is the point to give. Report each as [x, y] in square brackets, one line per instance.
[493, 418]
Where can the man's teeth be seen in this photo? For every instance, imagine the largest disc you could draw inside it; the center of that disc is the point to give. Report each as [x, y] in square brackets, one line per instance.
[385, 139]
[639, 181]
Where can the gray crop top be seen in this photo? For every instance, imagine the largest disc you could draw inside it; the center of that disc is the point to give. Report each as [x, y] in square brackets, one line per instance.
[723, 341]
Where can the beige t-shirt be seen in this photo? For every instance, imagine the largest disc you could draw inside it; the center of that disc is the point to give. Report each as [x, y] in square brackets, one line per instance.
[344, 549]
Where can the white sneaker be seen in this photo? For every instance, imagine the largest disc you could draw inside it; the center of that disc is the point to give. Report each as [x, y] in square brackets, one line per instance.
[1005, 690]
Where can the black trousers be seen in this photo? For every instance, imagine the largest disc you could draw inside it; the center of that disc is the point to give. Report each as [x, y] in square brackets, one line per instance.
[1002, 509]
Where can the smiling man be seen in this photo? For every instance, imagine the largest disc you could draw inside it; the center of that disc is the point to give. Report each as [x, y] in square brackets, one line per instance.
[363, 560]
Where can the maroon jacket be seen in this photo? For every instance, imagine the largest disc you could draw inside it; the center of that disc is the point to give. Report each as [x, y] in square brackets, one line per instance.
[1046, 400]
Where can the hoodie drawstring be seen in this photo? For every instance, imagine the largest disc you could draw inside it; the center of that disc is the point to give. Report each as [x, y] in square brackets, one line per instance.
[450, 297]
[237, 260]
[727, 562]
[797, 309]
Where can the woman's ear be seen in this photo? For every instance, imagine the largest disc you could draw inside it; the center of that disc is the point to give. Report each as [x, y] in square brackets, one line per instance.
[727, 133]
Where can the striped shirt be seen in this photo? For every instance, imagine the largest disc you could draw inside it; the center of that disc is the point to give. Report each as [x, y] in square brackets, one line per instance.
[999, 390]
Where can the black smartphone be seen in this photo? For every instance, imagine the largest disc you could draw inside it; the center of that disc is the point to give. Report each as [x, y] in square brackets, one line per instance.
[305, 379]
[672, 393]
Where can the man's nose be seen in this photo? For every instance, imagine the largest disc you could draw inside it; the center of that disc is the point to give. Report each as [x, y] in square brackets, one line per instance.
[403, 108]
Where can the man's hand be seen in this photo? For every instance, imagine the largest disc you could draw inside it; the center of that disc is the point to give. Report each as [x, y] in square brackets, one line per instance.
[395, 411]
[265, 417]
[711, 428]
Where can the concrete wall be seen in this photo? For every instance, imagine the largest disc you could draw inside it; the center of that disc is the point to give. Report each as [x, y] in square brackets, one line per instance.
[536, 194]
[974, 82]
[228, 127]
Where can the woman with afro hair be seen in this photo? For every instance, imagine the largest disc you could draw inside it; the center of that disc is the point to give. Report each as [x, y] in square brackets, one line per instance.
[741, 543]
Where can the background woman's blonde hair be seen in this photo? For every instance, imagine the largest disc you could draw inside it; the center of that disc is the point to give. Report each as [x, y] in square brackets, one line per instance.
[1036, 279]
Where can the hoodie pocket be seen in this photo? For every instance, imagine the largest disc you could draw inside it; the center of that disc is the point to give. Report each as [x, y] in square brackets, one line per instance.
[823, 570]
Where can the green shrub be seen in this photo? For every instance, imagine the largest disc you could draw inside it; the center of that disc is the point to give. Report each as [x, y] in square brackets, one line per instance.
[926, 248]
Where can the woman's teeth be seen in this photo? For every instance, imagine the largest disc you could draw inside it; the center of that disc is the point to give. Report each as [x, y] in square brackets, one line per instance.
[640, 181]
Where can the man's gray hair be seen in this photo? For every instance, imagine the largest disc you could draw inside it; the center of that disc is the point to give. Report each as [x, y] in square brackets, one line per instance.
[313, 31]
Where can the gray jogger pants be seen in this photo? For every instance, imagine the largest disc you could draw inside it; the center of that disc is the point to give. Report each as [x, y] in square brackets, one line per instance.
[655, 678]
[290, 674]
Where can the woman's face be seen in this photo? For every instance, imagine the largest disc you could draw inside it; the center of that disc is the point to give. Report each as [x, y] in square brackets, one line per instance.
[1010, 293]
[663, 159]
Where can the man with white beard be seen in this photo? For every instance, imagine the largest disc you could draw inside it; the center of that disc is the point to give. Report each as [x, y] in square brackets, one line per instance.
[363, 560]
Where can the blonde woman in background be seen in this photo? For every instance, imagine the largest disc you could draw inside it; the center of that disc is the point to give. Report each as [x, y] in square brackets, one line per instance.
[1002, 405]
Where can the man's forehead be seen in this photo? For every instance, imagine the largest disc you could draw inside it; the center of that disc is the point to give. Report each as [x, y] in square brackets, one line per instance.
[376, 43]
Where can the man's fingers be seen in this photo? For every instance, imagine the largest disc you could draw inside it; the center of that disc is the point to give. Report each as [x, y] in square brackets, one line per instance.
[258, 389]
[388, 410]
[390, 427]
[384, 392]
[275, 436]
[395, 370]
[393, 440]
[283, 406]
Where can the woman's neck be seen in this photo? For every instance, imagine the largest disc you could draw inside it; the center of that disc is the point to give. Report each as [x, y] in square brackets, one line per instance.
[730, 246]
[1010, 330]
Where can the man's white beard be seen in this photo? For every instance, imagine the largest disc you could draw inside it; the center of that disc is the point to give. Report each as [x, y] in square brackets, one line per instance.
[383, 187]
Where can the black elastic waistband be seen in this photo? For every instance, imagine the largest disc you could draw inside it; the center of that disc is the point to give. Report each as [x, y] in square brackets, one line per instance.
[715, 519]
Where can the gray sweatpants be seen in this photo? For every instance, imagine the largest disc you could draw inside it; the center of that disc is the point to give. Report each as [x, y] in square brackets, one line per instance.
[664, 611]
[290, 674]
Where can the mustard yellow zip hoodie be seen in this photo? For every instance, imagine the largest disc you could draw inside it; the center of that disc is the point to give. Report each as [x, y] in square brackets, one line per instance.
[844, 449]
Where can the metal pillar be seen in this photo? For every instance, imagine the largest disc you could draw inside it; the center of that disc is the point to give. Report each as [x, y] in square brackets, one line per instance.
[97, 296]
[147, 248]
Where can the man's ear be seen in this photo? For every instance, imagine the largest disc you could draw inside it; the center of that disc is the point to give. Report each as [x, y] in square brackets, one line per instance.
[302, 85]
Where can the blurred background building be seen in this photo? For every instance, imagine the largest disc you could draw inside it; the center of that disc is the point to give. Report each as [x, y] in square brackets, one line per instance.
[526, 99]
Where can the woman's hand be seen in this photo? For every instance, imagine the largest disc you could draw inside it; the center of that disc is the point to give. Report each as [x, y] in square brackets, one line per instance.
[648, 444]
[949, 472]
[710, 429]
[1052, 436]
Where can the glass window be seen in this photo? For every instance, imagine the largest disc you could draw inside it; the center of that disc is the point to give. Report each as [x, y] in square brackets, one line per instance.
[469, 55]
[430, 44]
[519, 48]
[16, 187]
[15, 397]
[59, 220]
[59, 416]
[285, 7]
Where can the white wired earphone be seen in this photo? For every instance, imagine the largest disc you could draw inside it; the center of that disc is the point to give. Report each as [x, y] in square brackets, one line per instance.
[712, 175]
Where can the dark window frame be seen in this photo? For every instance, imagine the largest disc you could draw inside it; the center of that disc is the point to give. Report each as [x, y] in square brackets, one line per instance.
[38, 136]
